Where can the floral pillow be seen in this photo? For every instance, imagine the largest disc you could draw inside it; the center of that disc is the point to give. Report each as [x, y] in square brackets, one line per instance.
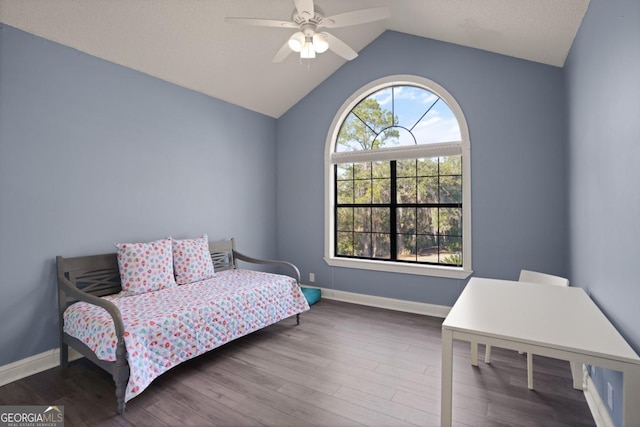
[192, 260]
[145, 267]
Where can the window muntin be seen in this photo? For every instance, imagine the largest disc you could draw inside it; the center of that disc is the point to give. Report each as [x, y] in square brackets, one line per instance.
[422, 124]
[404, 210]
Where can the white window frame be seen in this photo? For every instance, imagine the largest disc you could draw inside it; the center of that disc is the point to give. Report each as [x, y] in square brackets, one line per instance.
[428, 150]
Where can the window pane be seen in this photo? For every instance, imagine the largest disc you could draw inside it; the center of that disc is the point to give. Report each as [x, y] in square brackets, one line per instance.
[406, 190]
[410, 103]
[450, 221]
[354, 135]
[428, 190]
[362, 219]
[344, 221]
[345, 192]
[406, 220]
[427, 167]
[451, 165]
[438, 125]
[345, 171]
[427, 248]
[381, 246]
[345, 244]
[427, 221]
[362, 191]
[451, 250]
[406, 247]
[390, 138]
[362, 170]
[375, 110]
[451, 189]
[362, 244]
[406, 168]
[381, 190]
[380, 220]
[381, 169]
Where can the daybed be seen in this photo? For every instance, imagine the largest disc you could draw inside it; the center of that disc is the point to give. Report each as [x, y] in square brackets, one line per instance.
[138, 336]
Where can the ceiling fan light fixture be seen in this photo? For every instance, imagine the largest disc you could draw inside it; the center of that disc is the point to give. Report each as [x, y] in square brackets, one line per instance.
[308, 51]
[297, 41]
[320, 43]
[308, 19]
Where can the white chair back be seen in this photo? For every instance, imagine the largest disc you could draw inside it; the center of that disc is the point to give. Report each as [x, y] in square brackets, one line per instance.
[535, 277]
[530, 277]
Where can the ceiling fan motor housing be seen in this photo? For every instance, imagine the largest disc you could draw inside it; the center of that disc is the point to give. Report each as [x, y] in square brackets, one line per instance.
[306, 17]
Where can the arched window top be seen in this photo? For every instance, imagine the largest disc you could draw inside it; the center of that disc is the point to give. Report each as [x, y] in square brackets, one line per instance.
[396, 116]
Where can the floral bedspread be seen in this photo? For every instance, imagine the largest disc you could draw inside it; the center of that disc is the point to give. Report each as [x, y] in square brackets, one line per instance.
[167, 327]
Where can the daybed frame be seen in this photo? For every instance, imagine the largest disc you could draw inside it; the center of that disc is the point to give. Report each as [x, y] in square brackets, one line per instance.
[88, 278]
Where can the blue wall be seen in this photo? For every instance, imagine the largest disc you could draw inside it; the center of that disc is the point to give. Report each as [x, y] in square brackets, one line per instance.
[515, 110]
[603, 96]
[92, 153]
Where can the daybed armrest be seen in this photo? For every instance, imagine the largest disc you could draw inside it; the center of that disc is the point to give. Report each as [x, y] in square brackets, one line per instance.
[64, 285]
[293, 268]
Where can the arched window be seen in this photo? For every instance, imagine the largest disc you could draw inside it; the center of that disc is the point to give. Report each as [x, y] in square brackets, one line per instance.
[398, 190]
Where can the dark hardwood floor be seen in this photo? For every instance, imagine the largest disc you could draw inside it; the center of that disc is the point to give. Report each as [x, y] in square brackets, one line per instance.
[345, 365]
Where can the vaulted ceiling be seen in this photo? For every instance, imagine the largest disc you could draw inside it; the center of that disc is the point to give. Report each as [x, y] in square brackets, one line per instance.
[187, 42]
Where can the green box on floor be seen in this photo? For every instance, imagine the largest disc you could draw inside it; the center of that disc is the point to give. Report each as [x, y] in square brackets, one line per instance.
[312, 295]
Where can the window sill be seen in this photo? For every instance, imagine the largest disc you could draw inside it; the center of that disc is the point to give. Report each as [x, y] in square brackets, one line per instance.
[400, 267]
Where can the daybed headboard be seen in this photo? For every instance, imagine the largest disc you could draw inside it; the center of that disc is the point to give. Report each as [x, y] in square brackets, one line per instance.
[99, 275]
[95, 274]
[222, 255]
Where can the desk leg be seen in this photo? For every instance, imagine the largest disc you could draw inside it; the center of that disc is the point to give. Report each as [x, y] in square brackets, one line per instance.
[577, 372]
[630, 391]
[474, 353]
[446, 391]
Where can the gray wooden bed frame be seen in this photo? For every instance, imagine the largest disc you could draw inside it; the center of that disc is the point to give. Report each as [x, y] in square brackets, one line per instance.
[88, 278]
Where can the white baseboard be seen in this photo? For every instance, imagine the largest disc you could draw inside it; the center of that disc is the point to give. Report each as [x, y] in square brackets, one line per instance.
[596, 404]
[383, 302]
[33, 364]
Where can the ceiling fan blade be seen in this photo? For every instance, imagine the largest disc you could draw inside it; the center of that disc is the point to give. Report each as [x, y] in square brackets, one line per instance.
[261, 22]
[340, 47]
[305, 9]
[284, 51]
[355, 17]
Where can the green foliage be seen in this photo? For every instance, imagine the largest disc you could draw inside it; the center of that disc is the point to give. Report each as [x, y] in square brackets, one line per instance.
[454, 259]
[368, 127]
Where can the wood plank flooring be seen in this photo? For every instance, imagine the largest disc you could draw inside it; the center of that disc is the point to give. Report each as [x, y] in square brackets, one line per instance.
[345, 365]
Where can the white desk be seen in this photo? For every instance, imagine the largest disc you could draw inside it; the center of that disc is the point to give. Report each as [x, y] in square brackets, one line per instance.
[553, 321]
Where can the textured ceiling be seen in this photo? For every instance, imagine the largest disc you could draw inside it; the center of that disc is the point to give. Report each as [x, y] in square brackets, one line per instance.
[187, 42]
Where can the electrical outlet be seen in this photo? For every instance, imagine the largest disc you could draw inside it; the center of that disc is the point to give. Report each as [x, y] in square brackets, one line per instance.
[610, 396]
[312, 277]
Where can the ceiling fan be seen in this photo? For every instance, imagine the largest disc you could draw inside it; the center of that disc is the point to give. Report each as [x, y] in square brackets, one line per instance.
[308, 19]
